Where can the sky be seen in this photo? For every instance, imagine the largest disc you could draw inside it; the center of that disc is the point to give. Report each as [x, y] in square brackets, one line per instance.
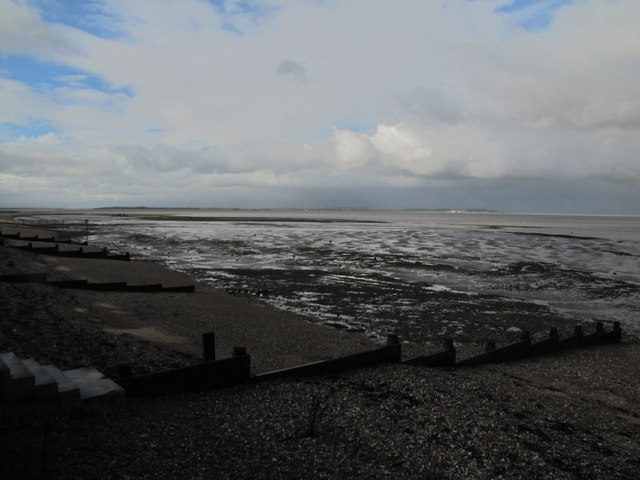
[528, 106]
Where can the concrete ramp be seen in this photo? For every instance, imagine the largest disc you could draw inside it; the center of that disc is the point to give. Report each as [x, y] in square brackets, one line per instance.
[25, 380]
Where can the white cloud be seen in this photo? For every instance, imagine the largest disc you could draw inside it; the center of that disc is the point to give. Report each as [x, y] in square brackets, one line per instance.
[441, 91]
[352, 150]
[23, 32]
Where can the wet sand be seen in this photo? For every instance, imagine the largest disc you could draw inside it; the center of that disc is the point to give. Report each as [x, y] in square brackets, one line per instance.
[574, 414]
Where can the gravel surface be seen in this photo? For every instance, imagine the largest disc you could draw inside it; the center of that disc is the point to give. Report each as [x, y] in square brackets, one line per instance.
[570, 415]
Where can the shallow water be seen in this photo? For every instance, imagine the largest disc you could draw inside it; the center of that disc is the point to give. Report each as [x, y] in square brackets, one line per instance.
[420, 274]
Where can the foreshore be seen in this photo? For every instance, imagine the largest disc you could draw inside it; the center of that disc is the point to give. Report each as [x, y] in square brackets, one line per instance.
[574, 414]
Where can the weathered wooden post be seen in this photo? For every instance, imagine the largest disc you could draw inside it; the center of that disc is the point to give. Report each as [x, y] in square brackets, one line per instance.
[449, 351]
[617, 332]
[124, 370]
[239, 351]
[208, 346]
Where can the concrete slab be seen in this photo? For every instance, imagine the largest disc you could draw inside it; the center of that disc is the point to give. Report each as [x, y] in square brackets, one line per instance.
[92, 383]
[45, 386]
[67, 390]
[21, 381]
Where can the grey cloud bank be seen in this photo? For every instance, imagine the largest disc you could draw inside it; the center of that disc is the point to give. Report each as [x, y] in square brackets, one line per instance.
[413, 104]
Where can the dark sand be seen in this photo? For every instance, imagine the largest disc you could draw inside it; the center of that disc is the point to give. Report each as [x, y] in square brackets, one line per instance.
[569, 415]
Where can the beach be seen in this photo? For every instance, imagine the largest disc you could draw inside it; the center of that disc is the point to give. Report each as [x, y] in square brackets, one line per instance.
[573, 414]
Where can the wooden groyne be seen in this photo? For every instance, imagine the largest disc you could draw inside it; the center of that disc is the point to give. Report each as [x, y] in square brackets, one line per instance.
[56, 250]
[37, 238]
[51, 245]
[525, 348]
[87, 285]
[212, 374]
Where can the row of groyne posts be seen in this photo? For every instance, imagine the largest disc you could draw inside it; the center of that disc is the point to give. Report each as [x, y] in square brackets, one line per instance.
[213, 374]
[81, 284]
[59, 247]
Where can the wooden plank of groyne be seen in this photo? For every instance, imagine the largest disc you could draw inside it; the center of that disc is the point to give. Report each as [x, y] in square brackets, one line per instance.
[152, 287]
[574, 341]
[69, 283]
[509, 352]
[37, 238]
[546, 346]
[70, 253]
[126, 257]
[184, 288]
[46, 250]
[441, 359]
[600, 336]
[24, 278]
[388, 353]
[111, 286]
[196, 378]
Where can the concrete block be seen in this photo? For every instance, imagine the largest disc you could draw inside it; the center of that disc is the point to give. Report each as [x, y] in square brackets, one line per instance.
[68, 392]
[92, 383]
[45, 386]
[21, 382]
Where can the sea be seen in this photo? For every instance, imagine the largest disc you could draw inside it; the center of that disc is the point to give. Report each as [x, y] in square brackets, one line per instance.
[423, 275]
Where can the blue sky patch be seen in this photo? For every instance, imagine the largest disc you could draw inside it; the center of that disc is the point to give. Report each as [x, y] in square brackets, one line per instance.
[230, 10]
[13, 131]
[44, 76]
[91, 16]
[533, 15]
